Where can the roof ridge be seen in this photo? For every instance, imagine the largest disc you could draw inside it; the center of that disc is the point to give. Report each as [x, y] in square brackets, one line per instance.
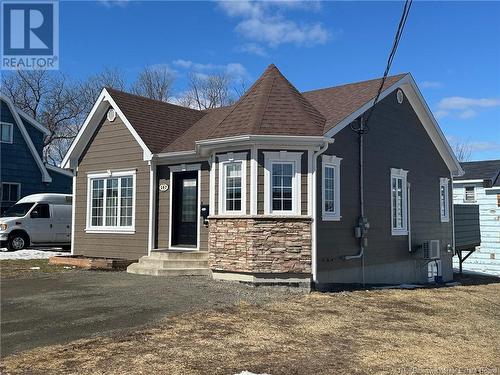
[153, 100]
[353, 83]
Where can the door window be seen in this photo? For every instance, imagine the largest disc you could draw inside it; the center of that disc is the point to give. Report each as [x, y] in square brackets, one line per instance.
[41, 211]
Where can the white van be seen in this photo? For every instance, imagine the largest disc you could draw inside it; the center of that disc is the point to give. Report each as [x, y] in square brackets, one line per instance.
[38, 219]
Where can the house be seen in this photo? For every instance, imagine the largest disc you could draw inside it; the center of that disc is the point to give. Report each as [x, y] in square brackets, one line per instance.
[480, 185]
[268, 189]
[22, 171]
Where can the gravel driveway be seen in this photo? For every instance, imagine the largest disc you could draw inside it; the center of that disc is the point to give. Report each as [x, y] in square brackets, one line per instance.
[56, 308]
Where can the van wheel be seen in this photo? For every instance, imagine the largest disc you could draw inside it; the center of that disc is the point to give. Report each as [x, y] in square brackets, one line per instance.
[17, 242]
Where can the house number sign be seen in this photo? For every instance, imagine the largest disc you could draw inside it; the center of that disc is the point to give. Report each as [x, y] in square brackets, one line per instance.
[163, 187]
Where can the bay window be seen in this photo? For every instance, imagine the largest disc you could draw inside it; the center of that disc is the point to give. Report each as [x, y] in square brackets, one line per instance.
[232, 183]
[330, 191]
[111, 201]
[399, 203]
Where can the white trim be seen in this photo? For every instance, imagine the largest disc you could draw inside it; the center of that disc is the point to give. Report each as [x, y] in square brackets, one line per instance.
[18, 190]
[73, 215]
[184, 168]
[253, 180]
[89, 228]
[212, 191]
[402, 174]
[309, 181]
[59, 170]
[90, 125]
[283, 157]
[45, 175]
[444, 183]
[33, 122]
[152, 199]
[331, 161]
[11, 133]
[476, 181]
[417, 101]
[223, 161]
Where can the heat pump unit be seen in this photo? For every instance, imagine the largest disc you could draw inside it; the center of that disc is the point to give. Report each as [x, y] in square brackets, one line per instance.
[431, 249]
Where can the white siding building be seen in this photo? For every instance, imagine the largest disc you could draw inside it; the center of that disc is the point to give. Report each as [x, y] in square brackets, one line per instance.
[481, 186]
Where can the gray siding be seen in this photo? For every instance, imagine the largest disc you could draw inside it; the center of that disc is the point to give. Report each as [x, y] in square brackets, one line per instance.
[396, 139]
[112, 147]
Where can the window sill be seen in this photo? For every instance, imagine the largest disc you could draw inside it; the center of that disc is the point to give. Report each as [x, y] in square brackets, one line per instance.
[109, 231]
[325, 217]
[445, 219]
[400, 232]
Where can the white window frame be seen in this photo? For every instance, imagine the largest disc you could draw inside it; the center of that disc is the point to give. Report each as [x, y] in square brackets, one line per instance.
[331, 161]
[110, 229]
[224, 160]
[11, 135]
[18, 191]
[279, 157]
[403, 175]
[444, 183]
[465, 194]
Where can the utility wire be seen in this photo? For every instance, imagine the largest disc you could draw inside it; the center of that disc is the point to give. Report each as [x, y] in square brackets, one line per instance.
[397, 38]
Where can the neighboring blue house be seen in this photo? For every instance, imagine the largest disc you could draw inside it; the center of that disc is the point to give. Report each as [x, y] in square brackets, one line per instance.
[22, 171]
[480, 185]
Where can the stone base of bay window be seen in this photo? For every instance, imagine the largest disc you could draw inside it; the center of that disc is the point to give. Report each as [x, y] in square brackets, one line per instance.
[302, 281]
[259, 248]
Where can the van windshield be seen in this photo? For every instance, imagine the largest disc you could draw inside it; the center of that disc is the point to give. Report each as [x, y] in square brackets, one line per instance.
[18, 210]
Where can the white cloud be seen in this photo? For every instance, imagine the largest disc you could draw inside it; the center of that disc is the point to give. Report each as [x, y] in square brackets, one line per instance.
[463, 108]
[253, 48]
[459, 102]
[265, 22]
[235, 70]
[431, 84]
[484, 146]
[110, 3]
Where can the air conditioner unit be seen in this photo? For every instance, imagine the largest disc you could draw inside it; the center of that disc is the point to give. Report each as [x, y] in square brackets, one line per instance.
[431, 249]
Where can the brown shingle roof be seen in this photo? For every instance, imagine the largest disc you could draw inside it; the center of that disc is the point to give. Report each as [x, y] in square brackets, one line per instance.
[157, 123]
[336, 103]
[272, 106]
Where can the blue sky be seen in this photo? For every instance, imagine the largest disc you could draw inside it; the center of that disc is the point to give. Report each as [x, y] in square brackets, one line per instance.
[451, 48]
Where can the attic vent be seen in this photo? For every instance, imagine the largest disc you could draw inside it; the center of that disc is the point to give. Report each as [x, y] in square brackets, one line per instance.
[400, 96]
[111, 115]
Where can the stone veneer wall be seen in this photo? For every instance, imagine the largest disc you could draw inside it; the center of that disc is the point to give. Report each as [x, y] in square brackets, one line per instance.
[260, 244]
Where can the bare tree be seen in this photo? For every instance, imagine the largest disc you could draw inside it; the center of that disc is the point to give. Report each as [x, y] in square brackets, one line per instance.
[208, 91]
[154, 82]
[463, 150]
[92, 87]
[51, 99]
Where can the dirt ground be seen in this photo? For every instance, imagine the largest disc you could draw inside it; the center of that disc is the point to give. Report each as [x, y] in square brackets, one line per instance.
[425, 331]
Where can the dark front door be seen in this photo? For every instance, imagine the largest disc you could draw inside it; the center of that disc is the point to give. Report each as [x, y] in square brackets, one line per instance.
[185, 209]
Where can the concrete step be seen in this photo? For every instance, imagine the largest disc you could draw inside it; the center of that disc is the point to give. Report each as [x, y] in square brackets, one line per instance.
[171, 263]
[140, 269]
[179, 255]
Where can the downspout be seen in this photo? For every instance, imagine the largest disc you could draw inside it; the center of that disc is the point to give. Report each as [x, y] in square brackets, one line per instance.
[314, 258]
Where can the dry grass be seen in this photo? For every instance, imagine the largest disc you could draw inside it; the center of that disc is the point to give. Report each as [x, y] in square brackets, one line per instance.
[22, 268]
[442, 330]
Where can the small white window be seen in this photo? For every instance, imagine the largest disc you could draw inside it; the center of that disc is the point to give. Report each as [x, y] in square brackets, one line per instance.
[6, 132]
[399, 202]
[282, 183]
[11, 192]
[444, 204]
[331, 187]
[232, 183]
[469, 194]
[111, 202]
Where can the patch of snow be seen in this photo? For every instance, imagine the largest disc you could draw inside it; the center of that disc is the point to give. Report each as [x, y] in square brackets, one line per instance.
[34, 268]
[401, 286]
[30, 254]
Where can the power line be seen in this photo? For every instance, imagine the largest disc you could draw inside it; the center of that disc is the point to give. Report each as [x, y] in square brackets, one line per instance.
[397, 38]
